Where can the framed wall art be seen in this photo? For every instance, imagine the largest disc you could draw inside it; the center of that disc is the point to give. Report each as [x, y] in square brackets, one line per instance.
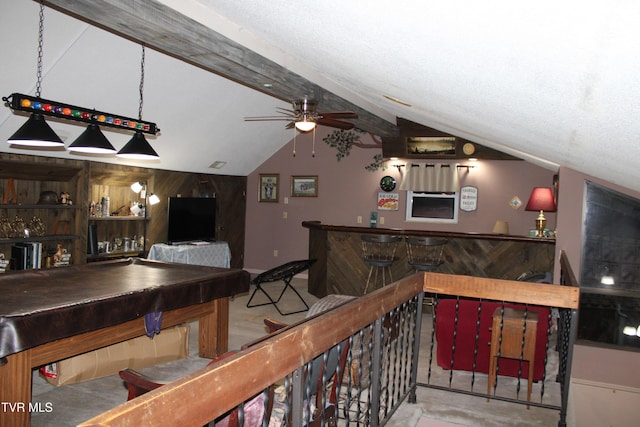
[433, 146]
[304, 186]
[269, 187]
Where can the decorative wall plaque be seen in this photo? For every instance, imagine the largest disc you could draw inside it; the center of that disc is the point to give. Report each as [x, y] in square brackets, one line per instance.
[469, 198]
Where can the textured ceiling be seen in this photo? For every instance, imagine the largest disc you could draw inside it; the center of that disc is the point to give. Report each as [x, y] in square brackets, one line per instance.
[556, 83]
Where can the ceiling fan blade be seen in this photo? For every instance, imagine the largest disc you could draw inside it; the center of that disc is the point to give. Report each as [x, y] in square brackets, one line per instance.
[339, 114]
[335, 123]
[265, 119]
[286, 111]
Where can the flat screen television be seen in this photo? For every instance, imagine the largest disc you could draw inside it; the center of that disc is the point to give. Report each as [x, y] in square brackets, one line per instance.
[191, 218]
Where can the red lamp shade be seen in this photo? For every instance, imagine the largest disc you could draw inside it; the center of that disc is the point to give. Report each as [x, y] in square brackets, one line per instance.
[541, 199]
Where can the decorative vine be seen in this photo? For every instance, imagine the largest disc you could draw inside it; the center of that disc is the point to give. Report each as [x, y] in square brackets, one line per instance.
[343, 140]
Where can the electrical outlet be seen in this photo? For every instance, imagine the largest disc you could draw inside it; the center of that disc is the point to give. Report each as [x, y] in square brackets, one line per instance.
[284, 215]
[359, 219]
[286, 200]
[275, 252]
[381, 220]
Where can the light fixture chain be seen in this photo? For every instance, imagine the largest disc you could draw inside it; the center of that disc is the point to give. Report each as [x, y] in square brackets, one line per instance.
[40, 43]
[141, 85]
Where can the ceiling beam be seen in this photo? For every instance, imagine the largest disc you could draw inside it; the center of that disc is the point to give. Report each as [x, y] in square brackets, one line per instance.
[166, 30]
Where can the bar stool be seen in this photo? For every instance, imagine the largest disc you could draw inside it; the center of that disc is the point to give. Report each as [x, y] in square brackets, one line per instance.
[425, 253]
[379, 252]
[507, 341]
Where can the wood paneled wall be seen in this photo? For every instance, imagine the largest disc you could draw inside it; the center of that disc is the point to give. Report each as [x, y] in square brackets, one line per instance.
[230, 194]
[91, 180]
[340, 268]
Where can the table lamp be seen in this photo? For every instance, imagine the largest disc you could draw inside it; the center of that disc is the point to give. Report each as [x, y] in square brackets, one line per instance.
[501, 227]
[541, 199]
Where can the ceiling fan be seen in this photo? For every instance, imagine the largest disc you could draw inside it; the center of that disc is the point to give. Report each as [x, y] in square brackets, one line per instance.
[304, 116]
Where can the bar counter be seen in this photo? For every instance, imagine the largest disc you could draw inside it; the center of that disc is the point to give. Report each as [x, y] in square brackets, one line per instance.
[340, 269]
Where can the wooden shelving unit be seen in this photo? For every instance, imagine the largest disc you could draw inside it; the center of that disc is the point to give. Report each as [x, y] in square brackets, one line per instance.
[23, 180]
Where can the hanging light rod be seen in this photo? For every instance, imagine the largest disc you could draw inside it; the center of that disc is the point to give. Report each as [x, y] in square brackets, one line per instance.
[32, 104]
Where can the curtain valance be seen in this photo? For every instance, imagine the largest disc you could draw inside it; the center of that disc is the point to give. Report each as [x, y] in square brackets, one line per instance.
[431, 177]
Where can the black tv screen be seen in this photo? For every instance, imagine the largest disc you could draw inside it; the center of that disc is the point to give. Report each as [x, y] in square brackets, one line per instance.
[192, 218]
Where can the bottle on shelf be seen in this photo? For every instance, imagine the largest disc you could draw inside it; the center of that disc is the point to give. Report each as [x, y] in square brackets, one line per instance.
[105, 206]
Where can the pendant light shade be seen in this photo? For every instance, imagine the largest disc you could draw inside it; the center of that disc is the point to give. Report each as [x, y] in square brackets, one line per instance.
[92, 141]
[138, 149]
[36, 132]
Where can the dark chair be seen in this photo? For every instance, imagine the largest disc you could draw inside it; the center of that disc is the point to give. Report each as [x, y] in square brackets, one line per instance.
[254, 409]
[284, 272]
[379, 252]
[334, 367]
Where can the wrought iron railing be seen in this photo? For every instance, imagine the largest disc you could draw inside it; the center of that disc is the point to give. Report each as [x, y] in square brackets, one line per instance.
[365, 355]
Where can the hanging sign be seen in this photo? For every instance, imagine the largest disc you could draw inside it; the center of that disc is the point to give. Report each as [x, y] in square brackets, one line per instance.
[469, 198]
[387, 201]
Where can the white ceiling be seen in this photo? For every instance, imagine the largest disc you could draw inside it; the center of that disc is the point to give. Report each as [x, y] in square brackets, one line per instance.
[556, 83]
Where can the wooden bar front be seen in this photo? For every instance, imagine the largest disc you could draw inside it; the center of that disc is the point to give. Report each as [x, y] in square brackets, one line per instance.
[340, 268]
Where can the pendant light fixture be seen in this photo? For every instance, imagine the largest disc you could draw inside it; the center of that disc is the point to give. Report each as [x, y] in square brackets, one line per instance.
[92, 141]
[138, 148]
[36, 132]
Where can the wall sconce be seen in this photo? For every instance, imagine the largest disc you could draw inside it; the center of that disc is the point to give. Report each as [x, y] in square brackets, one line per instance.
[397, 165]
[541, 199]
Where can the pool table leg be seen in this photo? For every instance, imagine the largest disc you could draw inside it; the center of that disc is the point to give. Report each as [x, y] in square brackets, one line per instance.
[15, 390]
[213, 339]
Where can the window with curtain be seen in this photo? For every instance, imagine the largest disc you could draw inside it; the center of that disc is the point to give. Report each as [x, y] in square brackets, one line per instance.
[432, 192]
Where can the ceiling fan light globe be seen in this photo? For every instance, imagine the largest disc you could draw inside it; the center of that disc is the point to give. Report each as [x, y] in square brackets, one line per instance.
[305, 126]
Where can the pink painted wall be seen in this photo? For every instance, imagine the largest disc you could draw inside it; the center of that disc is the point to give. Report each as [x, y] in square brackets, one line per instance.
[347, 190]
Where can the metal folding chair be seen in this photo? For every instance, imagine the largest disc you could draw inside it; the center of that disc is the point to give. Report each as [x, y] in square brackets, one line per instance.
[284, 272]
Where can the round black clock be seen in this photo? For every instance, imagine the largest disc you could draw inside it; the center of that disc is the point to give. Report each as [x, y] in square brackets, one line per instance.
[387, 183]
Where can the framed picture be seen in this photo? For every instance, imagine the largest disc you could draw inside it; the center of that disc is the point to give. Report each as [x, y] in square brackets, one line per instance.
[268, 187]
[304, 186]
[433, 146]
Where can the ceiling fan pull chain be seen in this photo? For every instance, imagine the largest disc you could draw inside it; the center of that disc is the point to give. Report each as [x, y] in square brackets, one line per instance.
[294, 141]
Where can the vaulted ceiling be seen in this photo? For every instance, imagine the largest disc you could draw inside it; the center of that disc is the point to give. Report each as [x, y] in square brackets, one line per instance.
[555, 83]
